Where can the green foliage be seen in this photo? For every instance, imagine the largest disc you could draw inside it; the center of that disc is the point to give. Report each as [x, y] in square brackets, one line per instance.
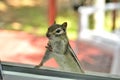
[35, 20]
[91, 22]
[31, 19]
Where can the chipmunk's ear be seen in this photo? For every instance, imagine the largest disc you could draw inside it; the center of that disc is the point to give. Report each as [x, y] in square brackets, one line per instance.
[54, 22]
[64, 24]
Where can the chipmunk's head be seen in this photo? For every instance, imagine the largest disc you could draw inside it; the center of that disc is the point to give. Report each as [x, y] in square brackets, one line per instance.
[56, 30]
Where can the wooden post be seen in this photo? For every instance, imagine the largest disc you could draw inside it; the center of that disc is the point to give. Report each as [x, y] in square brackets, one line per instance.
[52, 11]
[114, 18]
[99, 15]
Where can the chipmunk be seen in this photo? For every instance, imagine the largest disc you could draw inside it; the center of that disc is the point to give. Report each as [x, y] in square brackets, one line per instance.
[58, 47]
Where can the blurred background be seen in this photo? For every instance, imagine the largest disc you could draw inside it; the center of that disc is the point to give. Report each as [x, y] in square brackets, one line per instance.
[93, 31]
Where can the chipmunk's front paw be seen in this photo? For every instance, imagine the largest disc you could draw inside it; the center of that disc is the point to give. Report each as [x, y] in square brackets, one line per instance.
[49, 47]
[37, 66]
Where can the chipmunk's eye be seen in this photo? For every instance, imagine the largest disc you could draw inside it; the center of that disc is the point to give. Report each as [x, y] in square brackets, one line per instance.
[58, 31]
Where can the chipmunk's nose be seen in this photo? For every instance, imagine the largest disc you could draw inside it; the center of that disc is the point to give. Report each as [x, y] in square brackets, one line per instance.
[48, 35]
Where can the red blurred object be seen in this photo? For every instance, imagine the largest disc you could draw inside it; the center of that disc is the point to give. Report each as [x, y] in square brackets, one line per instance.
[52, 11]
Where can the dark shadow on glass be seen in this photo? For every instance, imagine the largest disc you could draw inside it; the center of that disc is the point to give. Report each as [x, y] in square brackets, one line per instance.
[1, 77]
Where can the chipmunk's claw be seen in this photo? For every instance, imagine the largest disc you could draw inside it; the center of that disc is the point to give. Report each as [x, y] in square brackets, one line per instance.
[37, 66]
